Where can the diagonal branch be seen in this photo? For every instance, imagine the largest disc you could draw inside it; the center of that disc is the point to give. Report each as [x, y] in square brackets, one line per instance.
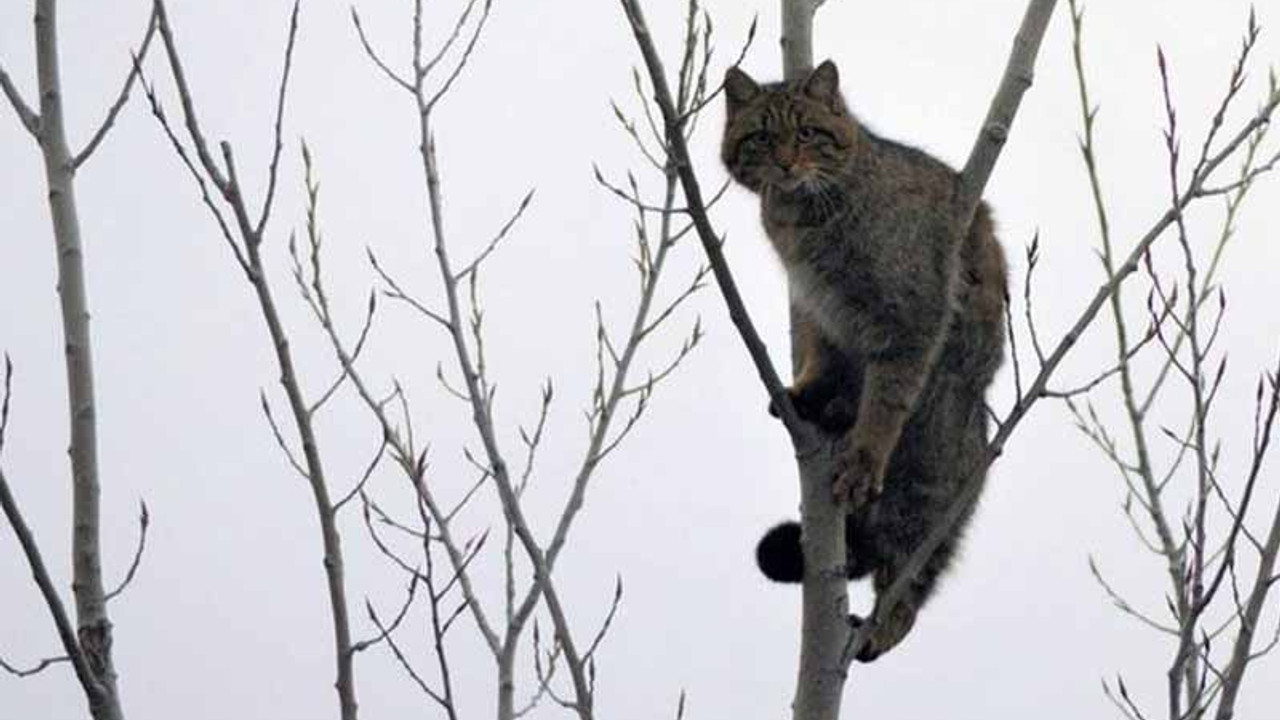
[1018, 75]
[29, 119]
[122, 98]
[373, 54]
[188, 104]
[39, 573]
[66, 633]
[273, 171]
[679, 153]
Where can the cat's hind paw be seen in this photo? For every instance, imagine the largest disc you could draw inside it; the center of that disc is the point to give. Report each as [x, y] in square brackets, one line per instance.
[886, 635]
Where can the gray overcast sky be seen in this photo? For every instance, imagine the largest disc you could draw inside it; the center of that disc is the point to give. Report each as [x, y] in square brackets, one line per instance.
[228, 616]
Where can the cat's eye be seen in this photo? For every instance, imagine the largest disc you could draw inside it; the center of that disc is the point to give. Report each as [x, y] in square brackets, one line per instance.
[807, 134]
[755, 140]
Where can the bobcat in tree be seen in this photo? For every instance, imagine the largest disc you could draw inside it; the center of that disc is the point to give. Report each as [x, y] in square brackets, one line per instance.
[898, 313]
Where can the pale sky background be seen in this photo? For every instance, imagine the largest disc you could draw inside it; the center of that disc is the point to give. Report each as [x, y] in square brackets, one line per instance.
[228, 616]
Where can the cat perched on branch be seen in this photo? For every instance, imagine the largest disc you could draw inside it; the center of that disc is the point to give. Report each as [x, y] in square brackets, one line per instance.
[898, 324]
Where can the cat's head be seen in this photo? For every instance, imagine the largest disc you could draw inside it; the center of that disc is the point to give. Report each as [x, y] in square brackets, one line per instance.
[793, 136]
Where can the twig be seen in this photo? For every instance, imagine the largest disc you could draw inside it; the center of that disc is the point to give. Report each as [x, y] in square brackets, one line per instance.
[400, 656]
[274, 167]
[385, 633]
[121, 99]
[1123, 605]
[608, 620]
[279, 436]
[144, 521]
[364, 479]
[373, 55]
[29, 119]
[421, 70]
[36, 669]
[472, 266]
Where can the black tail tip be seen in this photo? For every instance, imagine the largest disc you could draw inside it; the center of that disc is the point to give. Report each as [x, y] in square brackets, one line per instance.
[779, 556]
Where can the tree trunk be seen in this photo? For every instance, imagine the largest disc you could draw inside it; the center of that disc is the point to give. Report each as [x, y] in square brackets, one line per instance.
[824, 624]
[93, 624]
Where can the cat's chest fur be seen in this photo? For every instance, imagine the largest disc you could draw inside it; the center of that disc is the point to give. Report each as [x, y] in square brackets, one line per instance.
[823, 255]
[793, 225]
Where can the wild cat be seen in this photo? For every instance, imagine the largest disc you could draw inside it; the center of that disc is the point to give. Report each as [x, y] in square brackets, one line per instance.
[898, 322]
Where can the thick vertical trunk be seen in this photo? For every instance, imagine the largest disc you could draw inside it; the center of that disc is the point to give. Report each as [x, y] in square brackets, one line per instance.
[824, 625]
[506, 682]
[93, 624]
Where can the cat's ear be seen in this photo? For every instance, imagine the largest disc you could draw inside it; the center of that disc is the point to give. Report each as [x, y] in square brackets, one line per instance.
[823, 84]
[739, 88]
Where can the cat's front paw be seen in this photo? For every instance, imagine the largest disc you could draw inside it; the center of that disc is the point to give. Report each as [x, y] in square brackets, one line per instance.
[859, 477]
[806, 399]
[821, 405]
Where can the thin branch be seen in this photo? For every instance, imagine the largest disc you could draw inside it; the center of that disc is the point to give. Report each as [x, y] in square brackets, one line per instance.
[122, 98]
[4, 405]
[400, 656]
[397, 293]
[385, 633]
[533, 441]
[629, 127]
[355, 355]
[279, 436]
[1123, 605]
[608, 620]
[710, 240]
[144, 521]
[462, 62]
[29, 119]
[1116, 369]
[493, 244]
[364, 479]
[39, 573]
[274, 167]
[188, 105]
[439, 629]
[369, 507]
[66, 633]
[157, 110]
[1240, 651]
[251, 237]
[373, 55]
[36, 669]
[449, 42]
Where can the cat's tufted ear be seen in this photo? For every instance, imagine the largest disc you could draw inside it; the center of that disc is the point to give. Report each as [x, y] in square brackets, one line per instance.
[739, 88]
[823, 84]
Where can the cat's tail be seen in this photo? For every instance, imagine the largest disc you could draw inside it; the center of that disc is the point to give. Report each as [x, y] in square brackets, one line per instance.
[779, 555]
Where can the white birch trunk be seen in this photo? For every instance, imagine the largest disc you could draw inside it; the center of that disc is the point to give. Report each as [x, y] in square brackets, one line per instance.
[824, 624]
[93, 623]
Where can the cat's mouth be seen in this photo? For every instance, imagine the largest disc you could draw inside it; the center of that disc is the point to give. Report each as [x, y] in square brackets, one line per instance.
[792, 183]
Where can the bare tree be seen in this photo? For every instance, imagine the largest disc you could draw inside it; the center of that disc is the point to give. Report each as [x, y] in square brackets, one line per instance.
[88, 648]
[827, 642]
[619, 398]
[244, 234]
[1205, 545]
